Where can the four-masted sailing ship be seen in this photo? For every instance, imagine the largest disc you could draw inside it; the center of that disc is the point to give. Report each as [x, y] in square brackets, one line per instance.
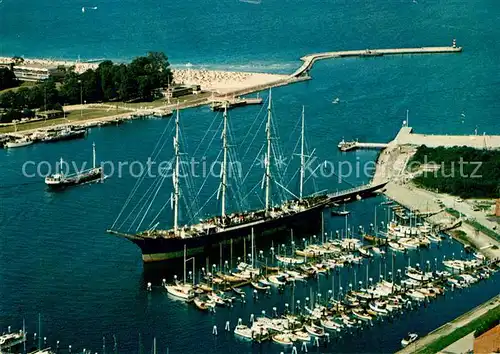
[300, 213]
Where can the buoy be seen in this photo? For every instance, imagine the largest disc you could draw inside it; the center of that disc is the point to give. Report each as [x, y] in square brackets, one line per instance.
[227, 326]
[149, 286]
[264, 313]
[44, 341]
[69, 348]
[163, 282]
[251, 319]
[214, 330]
[57, 345]
[255, 296]
[275, 312]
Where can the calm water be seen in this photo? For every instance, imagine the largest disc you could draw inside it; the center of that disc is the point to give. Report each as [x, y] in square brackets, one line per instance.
[55, 257]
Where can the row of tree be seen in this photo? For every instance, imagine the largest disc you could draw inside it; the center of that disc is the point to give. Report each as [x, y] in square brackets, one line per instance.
[463, 171]
[7, 78]
[139, 80]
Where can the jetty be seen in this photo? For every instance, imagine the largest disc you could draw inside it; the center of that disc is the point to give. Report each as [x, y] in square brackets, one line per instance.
[354, 145]
[310, 59]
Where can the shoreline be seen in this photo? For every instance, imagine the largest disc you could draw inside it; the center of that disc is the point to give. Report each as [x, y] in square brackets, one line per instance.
[391, 166]
[448, 328]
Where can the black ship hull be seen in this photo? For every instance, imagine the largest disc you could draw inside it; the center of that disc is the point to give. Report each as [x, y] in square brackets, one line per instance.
[304, 223]
[162, 249]
[86, 177]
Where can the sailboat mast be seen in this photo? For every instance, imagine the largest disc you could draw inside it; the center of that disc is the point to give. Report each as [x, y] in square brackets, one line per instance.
[93, 155]
[176, 175]
[252, 249]
[268, 155]
[302, 158]
[224, 165]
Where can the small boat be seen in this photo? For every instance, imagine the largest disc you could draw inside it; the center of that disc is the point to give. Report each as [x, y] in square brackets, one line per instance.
[24, 141]
[301, 335]
[243, 331]
[314, 330]
[364, 252]
[377, 309]
[203, 305]
[370, 238]
[396, 247]
[274, 280]
[216, 299]
[340, 212]
[184, 292]
[361, 314]
[290, 260]
[433, 237]
[238, 291]
[284, 338]
[336, 100]
[331, 325]
[260, 286]
[416, 295]
[412, 337]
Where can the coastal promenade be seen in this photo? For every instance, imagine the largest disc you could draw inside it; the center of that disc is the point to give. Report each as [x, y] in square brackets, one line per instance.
[449, 327]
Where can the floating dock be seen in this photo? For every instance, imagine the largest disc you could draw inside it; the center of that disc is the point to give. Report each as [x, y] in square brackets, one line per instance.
[219, 105]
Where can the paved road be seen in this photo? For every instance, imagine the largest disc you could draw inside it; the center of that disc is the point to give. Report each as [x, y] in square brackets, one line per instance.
[451, 326]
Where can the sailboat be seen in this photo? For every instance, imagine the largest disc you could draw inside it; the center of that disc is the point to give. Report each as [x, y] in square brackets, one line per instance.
[301, 213]
[59, 180]
[340, 212]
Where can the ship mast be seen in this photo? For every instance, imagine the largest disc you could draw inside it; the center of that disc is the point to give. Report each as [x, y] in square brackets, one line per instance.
[302, 157]
[268, 155]
[224, 166]
[176, 175]
[93, 155]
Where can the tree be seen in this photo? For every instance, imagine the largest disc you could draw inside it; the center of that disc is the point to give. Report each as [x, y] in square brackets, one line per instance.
[107, 80]
[70, 88]
[7, 78]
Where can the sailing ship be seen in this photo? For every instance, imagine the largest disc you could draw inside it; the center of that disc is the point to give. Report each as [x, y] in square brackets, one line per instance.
[300, 213]
[60, 180]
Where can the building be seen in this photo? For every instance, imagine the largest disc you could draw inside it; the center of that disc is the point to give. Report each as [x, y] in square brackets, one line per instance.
[33, 72]
[178, 91]
[51, 114]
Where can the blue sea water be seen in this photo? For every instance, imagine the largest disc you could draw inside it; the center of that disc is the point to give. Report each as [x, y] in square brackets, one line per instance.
[55, 257]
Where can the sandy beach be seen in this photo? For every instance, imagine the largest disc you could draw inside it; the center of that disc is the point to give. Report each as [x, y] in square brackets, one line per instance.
[210, 80]
[223, 81]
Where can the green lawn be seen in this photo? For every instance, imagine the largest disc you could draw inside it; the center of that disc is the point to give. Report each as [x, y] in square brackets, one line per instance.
[24, 84]
[481, 324]
[476, 225]
[71, 117]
